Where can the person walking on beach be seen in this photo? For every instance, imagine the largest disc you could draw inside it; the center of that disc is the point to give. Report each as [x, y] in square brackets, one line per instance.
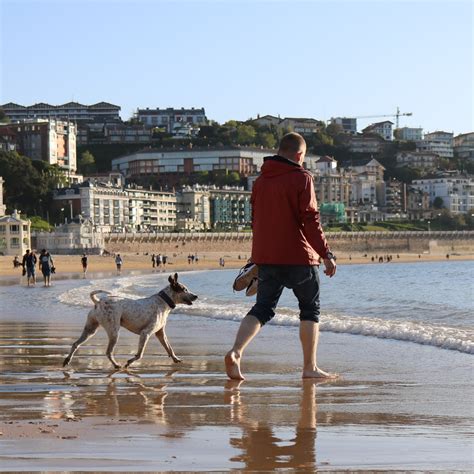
[119, 263]
[287, 242]
[84, 265]
[45, 265]
[153, 261]
[29, 266]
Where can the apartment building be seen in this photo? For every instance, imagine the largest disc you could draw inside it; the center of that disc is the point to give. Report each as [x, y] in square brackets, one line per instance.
[71, 111]
[151, 210]
[464, 145]
[408, 134]
[53, 141]
[168, 166]
[456, 191]
[104, 205]
[367, 165]
[172, 119]
[113, 133]
[209, 207]
[424, 160]
[439, 142]
[111, 207]
[348, 125]
[301, 125]
[366, 144]
[383, 129]
[416, 203]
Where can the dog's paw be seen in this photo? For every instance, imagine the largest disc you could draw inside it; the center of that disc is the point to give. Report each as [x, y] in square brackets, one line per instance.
[176, 359]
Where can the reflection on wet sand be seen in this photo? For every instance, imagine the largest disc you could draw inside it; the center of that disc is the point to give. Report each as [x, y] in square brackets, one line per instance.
[265, 449]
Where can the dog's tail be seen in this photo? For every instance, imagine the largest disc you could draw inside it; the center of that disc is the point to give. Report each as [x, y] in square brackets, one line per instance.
[94, 299]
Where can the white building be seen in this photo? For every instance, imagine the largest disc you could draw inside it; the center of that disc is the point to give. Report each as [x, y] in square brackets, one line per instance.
[417, 159]
[15, 235]
[156, 162]
[409, 134]
[104, 205]
[172, 119]
[72, 111]
[71, 238]
[150, 210]
[384, 129]
[457, 192]
[440, 143]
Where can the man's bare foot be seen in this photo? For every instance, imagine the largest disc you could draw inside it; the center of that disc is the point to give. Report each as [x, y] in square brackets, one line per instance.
[318, 374]
[232, 366]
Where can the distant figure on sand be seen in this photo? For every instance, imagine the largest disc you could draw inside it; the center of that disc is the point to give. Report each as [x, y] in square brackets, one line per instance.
[287, 242]
[45, 265]
[16, 262]
[118, 263]
[153, 261]
[84, 265]
[29, 266]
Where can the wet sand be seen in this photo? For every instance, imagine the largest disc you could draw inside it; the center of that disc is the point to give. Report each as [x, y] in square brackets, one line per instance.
[162, 416]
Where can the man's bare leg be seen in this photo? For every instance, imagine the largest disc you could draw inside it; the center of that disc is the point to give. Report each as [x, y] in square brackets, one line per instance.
[309, 336]
[249, 328]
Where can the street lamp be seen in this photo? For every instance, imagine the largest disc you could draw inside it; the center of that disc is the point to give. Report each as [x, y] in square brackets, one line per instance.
[429, 227]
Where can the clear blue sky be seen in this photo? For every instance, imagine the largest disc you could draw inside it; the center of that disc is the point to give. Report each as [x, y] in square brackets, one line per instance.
[242, 58]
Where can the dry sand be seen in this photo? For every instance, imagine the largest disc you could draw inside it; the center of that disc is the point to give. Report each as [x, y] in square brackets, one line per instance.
[71, 264]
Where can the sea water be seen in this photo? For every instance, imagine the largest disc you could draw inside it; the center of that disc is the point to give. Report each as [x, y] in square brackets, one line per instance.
[428, 303]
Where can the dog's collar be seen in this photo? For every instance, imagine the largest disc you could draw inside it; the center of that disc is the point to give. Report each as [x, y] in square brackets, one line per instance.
[167, 299]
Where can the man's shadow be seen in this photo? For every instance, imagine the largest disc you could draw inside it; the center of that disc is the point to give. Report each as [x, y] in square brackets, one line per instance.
[261, 448]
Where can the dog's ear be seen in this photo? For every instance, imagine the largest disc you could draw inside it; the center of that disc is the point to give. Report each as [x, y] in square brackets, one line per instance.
[176, 278]
[171, 280]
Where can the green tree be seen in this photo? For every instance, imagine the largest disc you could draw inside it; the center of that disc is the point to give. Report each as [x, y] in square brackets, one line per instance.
[86, 163]
[266, 139]
[438, 202]
[246, 135]
[3, 117]
[26, 188]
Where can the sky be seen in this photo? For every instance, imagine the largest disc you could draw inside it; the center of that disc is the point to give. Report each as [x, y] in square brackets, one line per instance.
[237, 59]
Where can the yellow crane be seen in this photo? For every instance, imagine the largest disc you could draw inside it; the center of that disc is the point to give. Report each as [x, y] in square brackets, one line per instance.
[397, 116]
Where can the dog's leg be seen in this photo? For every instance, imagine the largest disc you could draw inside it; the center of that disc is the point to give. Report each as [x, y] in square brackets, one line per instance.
[113, 338]
[89, 330]
[161, 335]
[144, 336]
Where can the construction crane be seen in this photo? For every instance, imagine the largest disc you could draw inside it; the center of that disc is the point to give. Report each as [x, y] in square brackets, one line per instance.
[396, 115]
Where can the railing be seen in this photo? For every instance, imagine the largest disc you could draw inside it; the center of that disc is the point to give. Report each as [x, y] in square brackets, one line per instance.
[247, 236]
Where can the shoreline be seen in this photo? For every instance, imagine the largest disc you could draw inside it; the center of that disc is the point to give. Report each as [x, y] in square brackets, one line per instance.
[69, 266]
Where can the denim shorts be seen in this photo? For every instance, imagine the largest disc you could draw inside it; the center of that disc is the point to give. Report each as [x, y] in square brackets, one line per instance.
[30, 271]
[302, 279]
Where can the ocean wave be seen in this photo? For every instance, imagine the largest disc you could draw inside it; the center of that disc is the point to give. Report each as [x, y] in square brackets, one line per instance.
[437, 335]
[443, 337]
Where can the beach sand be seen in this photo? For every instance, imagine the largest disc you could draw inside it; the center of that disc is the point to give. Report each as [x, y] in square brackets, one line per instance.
[105, 266]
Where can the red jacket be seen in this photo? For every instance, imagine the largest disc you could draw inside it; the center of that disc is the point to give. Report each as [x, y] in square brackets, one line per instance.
[285, 217]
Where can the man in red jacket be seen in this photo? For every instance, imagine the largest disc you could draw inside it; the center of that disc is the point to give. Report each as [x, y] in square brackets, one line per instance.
[288, 241]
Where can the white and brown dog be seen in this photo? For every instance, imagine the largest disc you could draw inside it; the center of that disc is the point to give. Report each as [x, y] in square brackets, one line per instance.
[144, 317]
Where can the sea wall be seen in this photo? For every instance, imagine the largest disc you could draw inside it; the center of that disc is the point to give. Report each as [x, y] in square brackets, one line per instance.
[343, 242]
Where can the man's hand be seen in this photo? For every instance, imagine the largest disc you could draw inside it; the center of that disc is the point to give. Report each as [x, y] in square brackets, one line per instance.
[330, 265]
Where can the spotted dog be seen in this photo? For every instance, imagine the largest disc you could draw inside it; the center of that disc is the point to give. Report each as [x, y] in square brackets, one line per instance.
[145, 316]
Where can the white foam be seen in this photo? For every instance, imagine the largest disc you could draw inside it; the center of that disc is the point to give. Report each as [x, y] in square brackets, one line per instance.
[444, 337]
